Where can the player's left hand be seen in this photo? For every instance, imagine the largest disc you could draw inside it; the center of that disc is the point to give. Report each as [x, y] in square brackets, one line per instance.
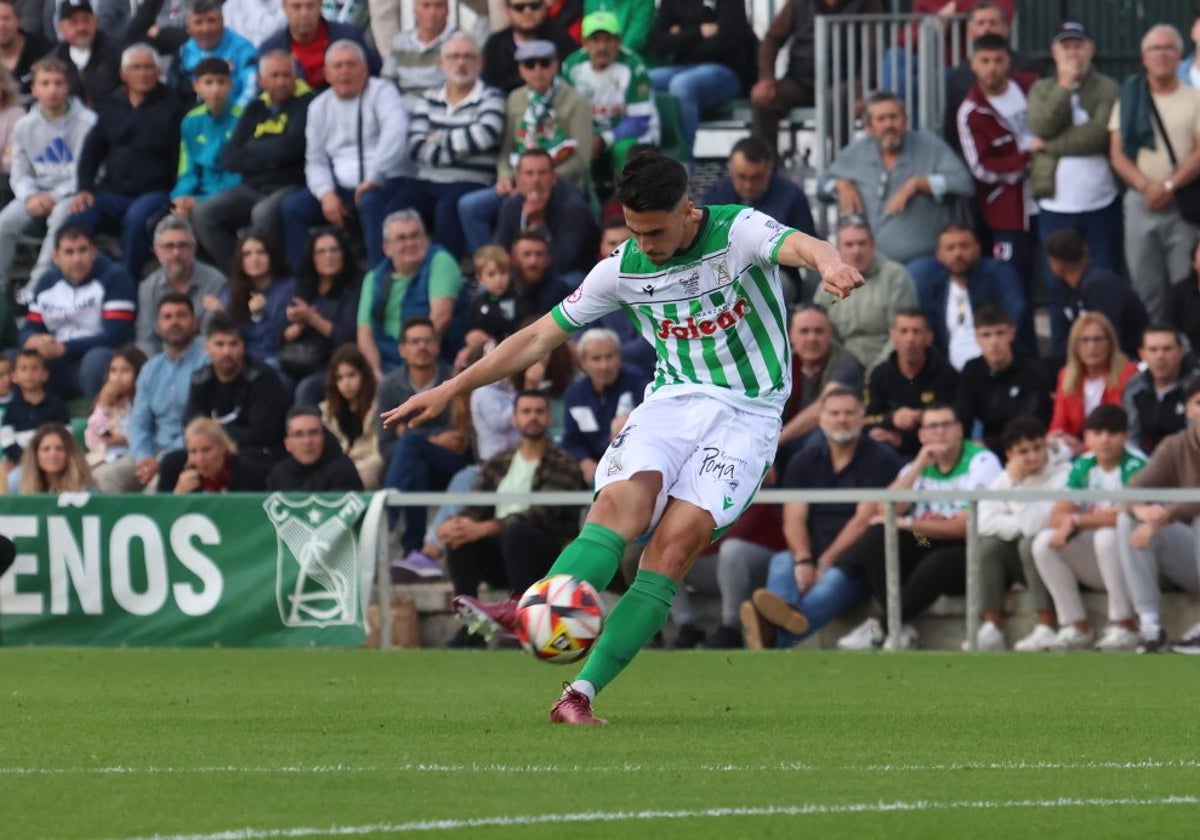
[841, 279]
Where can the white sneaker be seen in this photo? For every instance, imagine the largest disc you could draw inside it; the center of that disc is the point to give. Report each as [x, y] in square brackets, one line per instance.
[1039, 640]
[866, 636]
[1070, 638]
[907, 640]
[990, 638]
[1117, 638]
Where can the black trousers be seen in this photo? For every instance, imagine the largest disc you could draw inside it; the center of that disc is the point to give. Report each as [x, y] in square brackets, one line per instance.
[928, 569]
[516, 559]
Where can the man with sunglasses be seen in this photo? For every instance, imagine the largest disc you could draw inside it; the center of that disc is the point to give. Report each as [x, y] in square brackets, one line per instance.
[528, 21]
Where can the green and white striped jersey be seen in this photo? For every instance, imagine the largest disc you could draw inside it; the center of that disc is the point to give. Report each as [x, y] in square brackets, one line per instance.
[976, 469]
[715, 313]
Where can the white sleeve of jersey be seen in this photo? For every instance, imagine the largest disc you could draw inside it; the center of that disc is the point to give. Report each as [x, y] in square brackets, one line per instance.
[758, 235]
[595, 297]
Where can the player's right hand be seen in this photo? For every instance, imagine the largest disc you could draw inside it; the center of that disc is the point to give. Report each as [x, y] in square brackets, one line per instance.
[418, 408]
[840, 280]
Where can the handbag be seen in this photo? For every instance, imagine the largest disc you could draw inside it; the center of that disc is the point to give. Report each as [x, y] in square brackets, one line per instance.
[1187, 196]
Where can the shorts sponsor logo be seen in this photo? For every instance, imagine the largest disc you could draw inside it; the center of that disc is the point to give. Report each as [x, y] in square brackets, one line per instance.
[719, 465]
[692, 328]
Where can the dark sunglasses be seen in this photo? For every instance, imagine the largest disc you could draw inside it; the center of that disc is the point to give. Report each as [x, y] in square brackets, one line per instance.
[530, 63]
[525, 7]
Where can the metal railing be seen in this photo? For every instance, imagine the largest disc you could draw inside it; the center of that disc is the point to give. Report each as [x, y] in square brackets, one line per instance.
[888, 498]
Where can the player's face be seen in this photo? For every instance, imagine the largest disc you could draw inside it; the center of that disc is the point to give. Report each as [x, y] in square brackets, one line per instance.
[660, 233]
[841, 419]
[305, 439]
[601, 363]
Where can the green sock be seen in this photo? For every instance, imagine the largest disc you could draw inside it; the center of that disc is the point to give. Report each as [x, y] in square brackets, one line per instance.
[635, 619]
[594, 556]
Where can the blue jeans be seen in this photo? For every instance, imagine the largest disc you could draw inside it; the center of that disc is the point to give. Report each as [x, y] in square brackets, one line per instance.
[72, 376]
[438, 206]
[477, 213]
[696, 86]
[463, 482]
[302, 210]
[127, 216]
[418, 465]
[833, 594]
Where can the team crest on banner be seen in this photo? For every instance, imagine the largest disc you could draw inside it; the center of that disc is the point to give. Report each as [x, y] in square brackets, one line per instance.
[316, 579]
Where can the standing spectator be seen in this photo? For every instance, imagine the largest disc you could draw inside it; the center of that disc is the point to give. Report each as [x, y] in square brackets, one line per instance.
[46, 146]
[527, 21]
[255, 20]
[30, 407]
[209, 37]
[354, 152]
[203, 134]
[213, 463]
[1086, 286]
[93, 58]
[1153, 397]
[267, 151]
[1185, 302]
[349, 410]
[81, 311]
[412, 59]
[905, 182]
[863, 320]
[19, 49]
[314, 464]
[538, 290]
[129, 159]
[1158, 240]
[753, 181]
[54, 463]
[308, 38]
[178, 271]
[1095, 374]
[454, 135]
[1071, 177]
[258, 296]
[707, 51]
[912, 377]
[105, 434]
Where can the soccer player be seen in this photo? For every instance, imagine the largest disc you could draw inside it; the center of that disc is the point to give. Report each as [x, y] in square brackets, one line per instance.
[703, 286]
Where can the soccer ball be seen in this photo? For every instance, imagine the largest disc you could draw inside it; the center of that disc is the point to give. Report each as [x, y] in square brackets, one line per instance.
[558, 619]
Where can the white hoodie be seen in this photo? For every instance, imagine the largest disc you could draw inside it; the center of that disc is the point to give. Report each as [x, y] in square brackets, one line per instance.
[46, 151]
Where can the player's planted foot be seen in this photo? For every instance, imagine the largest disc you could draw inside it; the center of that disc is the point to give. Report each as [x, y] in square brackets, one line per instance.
[487, 619]
[573, 707]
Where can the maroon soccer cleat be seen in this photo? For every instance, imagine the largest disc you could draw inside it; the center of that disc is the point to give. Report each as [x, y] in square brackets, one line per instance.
[573, 707]
[487, 619]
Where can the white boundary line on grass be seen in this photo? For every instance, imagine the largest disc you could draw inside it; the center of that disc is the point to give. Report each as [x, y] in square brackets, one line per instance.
[708, 813]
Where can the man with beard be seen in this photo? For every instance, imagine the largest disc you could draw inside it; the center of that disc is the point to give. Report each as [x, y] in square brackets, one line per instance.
[178, 271]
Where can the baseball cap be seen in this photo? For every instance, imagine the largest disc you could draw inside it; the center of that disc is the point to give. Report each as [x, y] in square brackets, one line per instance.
[602, 21]
[1071, 30]
[535, 49]
[70, 7]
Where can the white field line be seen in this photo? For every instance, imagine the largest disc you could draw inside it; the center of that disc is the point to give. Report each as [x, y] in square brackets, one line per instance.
[645, 816]
[780, 767]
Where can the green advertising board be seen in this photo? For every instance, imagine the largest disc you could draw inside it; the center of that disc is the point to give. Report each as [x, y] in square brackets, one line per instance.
[238, 570]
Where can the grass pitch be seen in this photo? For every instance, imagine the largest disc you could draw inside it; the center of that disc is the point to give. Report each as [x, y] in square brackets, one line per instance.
[240, 745]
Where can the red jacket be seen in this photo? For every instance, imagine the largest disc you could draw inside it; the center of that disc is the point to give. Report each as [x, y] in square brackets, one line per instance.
[991, 146]
[1068, 408]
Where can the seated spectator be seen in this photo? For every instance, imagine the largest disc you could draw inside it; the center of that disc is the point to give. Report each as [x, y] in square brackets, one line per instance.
[1091, 288]
[413, 58]
[213, 464]
[544, 202]
[634, 18]
[255, 20]
[178, 271]
[205, 131]
[42, 182]
[598, 404]
[354, 152]
[158, 23]
[538, 290]
[806, 588]
[932, 534]
[1007, 531]
[129, 160]
[1095, 374]
[106, 435]
[314, 463]
[308, 37]
[707, 51]
[155, 425]
[1002, 383]
[615, 81]
[513, 545]
[53, 462]
[818, 363]
[913, 376]
[527, 21]
[1158, 542]
[906, 183]
[209, 37]
[19, 50]
[454, 134]
[258, 296]
[1153, 397]
[92, 57]
[418, 279]
[864, 320]
[1081, 544]
[753, 181]
[81, 311]
[1185, 302]
[6, 384]
[349, 411]
[11, 110]
[267, 151]
[31, 406]
[492, 312]
[323, 314]
[955, 282]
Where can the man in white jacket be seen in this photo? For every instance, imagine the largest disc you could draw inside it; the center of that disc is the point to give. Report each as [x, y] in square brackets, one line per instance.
[46, 144]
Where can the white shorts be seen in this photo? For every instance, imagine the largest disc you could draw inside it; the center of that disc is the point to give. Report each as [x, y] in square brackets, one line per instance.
[708, 453]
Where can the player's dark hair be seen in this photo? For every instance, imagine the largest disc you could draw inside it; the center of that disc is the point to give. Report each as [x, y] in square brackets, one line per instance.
[989, 43]
[1066, 246]
[1021, 429]
[1107, 418]
[651, 181]
[753, 149]
[991, 315]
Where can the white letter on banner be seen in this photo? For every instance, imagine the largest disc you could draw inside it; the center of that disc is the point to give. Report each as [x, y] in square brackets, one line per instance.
[70, 566]
[28, 603]
[142, 528]
[193, 601]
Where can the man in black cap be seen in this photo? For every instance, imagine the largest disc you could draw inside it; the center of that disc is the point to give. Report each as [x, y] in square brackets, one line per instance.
[93, 58]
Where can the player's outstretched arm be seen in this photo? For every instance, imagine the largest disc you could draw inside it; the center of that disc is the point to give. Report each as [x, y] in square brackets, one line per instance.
[800, 250]
[515, 353]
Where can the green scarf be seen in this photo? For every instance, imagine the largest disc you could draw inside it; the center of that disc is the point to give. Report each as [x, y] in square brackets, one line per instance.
[539, 126]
